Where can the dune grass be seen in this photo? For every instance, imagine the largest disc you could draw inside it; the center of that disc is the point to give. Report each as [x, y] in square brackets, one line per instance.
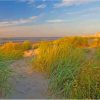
[26, 45]
[73, 74]
[65, 70]
[5, 73]
[9, 52]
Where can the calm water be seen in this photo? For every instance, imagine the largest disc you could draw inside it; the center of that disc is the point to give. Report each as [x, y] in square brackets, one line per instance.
[21, 39]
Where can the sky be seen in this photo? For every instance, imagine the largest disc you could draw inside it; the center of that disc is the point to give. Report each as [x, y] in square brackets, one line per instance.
[49, 18]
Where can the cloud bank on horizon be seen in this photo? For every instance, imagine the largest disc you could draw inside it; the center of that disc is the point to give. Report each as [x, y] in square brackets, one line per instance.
[49, 17]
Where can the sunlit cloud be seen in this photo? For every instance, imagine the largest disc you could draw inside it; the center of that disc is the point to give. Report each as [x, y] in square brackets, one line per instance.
[50, 30]
[41, 6]
[84, 11]
[27, 1]
[14, 20]
[44, 30]
[56, 21]
[18, 22]
[72, 2]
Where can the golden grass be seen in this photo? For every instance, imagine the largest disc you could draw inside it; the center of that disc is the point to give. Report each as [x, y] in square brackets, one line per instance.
[73, 69]
[8, 52]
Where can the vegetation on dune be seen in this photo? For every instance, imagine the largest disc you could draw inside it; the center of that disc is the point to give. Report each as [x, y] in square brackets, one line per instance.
[73, 74]
[11, 51]
[8, 52]
[35, 46]
[72, 65]
[50, 52]
[96, 42]
[88, 80]
[87, 83]
[5, 73]
[41, 62]
[76, 41]
[96, 58]
[65, 69]
[26, 45]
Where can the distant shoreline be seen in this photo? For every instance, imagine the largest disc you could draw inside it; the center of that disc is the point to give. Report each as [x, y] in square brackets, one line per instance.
[21, 39]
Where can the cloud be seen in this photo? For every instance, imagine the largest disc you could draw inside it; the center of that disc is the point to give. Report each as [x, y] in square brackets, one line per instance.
[41, 6]
[51, 29]
[85, 11]
[43, 30]
[72, 2]
[29, 2]
[18, 22]
[32, 3]
[56, 21]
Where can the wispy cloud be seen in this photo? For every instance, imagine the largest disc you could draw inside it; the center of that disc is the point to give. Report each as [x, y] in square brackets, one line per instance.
[56, 21]
[18, 22]
[84, 11]
[32, 3]
[41, 6]
[72, 2]
[27, 1]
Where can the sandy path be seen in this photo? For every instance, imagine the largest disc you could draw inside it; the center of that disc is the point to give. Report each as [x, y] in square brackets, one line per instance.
[27, 85]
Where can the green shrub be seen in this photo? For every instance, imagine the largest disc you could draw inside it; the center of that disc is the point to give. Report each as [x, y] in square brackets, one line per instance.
[26, 45]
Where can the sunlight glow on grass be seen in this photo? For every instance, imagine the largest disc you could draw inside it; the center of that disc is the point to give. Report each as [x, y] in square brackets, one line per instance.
[73, 72]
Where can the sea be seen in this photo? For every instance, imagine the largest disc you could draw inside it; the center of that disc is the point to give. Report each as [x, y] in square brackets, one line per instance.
[21, 39]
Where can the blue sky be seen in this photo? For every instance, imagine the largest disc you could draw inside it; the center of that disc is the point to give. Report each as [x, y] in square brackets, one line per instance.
[49, 17]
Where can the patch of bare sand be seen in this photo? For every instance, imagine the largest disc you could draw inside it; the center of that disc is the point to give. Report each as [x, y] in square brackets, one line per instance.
[30, 53]
[27, 85]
